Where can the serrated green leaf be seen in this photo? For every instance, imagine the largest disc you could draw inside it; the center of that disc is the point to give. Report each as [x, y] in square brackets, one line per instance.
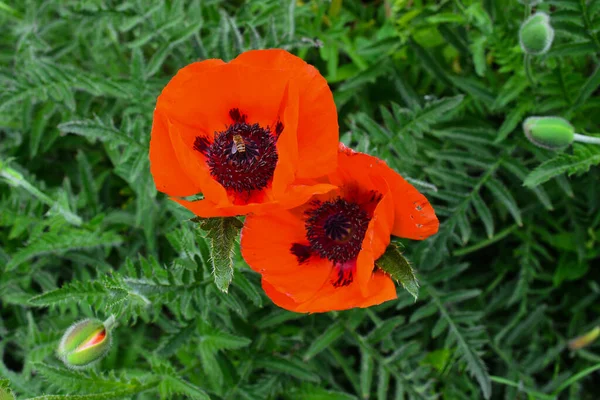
[332, 334]
[503, 194]
[583, 158]
[484, 214]
[393, 263]
[222, 234]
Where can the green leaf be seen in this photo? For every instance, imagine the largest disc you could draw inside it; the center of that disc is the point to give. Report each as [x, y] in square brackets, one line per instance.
[59, 243]
[174, 384]
[584, 157]
[393, 263]
[326, 339]
[222, 234]
[16, 179]
[474, 362]
[367, 369]
[588, 88]
[38, 126]
[512, 120]
[97, 130]
[87, 182]
[503, 194]
[478, 50]
[420, 120]
[174, 341]
[484, 213]
[70, 380]
[293, 367]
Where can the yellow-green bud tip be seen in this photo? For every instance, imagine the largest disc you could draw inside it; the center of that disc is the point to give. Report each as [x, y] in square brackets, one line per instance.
[536, 34]
[84, 343]
[553, 133]
[584, 340]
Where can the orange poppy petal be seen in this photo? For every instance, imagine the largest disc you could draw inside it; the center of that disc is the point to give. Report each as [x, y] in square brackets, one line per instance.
[376, 241]
[164, 164]
[296, 196]
[194, 166]
[381, 288]
[414, 215]
[287, 144]
[266, 245]
[318, 130]
[276, 59]
[200, 95]
[280, 299]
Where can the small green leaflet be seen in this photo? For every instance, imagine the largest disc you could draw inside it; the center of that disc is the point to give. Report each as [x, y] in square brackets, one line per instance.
[16, 179]
[582, 159]
[221, 233]
[398, 267]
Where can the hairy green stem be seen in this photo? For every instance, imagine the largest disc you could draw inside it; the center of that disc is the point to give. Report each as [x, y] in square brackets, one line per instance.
[586, 139]
[527, 63]
[110, 322]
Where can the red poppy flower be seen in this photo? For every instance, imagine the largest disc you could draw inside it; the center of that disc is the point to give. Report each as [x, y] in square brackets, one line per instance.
[321, 256]
[247, 134]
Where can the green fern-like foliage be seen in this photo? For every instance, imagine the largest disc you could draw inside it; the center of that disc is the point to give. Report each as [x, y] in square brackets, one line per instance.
[437, 89]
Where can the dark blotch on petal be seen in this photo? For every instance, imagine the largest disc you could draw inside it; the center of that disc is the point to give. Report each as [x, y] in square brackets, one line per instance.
[237, 116]
[201, 144]
[344, 275]
[278, 128]
[301, 251]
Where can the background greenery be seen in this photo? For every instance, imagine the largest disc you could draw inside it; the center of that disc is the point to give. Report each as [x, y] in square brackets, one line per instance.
[437, 88]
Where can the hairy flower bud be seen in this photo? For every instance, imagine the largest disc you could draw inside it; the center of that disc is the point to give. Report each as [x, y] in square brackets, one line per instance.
[553, 133]
[536, 34]
[85, 342]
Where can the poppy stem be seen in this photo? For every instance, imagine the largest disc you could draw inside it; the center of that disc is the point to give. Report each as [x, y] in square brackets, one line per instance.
[527, 62]
[110, 322]
[527, 11]
[586, 139]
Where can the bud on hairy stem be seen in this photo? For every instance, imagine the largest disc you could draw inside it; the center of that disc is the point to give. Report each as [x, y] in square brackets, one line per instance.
[554, 133]
[536, 34]
[86, 342]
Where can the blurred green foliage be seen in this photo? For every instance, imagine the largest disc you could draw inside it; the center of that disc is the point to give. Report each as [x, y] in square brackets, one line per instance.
[436, 88]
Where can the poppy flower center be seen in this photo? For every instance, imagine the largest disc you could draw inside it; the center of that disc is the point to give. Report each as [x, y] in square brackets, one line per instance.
[335, 229]
[244, 156]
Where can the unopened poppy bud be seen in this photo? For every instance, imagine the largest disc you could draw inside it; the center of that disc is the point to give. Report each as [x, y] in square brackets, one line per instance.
[553, 133]
[536, 34]
[85, 342]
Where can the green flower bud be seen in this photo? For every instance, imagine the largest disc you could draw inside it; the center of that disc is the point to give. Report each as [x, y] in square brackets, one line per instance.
[553, 133]
[536, 34]
[85, 342]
